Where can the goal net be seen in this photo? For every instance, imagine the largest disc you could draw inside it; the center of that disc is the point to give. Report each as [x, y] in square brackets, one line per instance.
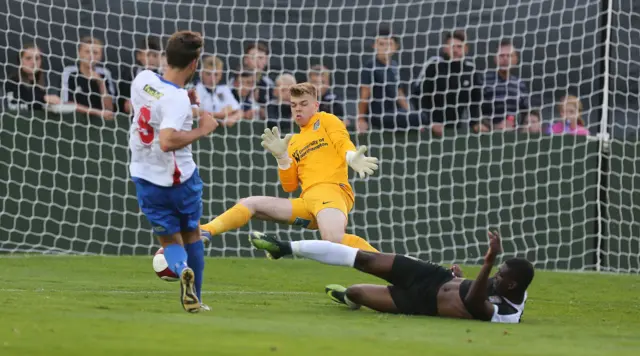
[563, 201]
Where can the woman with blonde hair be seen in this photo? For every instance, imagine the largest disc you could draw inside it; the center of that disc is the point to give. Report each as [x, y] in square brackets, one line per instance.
[570, 109]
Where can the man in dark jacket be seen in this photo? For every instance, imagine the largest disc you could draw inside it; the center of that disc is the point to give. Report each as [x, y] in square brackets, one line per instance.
[448, 85]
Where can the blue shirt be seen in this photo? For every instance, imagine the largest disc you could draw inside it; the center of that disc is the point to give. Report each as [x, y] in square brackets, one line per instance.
[502, 97]
[383, 80]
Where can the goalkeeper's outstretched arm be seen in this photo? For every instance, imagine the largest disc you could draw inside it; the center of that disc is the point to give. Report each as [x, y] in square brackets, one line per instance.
[356, 159]
[338, 135]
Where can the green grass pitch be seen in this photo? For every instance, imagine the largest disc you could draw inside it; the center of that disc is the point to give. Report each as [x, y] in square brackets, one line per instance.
[117, 306]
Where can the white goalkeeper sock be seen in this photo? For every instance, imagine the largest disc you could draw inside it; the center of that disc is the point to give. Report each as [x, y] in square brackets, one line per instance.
[325, 252]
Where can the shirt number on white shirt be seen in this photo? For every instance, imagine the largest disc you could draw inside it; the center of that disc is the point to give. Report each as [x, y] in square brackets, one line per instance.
[144, 129]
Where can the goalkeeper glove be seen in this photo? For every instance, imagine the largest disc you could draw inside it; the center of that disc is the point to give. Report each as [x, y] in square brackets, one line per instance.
[272, 142]
[360, 163]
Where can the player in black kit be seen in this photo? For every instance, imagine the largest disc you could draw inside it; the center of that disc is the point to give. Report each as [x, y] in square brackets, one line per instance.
[418, 287]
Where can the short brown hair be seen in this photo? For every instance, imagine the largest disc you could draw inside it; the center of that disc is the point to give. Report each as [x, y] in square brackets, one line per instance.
[89, 40]
[259, 46]
[302, 89]
[149, 43]
[505, 42]
[524, 116]
[183, 48]
[457, 34]
[384, 30]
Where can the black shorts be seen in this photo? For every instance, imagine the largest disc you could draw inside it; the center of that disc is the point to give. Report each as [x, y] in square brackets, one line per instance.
[415, 285]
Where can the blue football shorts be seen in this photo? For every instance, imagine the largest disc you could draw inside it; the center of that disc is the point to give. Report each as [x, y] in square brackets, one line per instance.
[171, 209]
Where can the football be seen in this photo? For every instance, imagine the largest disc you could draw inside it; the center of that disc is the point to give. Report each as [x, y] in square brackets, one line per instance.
[161, 267]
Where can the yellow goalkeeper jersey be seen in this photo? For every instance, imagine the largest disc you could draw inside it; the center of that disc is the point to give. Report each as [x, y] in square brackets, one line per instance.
[318, 153]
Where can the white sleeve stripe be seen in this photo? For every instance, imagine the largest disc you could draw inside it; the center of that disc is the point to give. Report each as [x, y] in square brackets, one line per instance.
[423, 72]
[268, 80]
[108, 78]
[66, 74]
[110, 82]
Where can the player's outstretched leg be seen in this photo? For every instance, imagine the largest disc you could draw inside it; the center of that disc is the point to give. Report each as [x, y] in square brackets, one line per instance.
[377, 264]
[380, 265]
[263, 208]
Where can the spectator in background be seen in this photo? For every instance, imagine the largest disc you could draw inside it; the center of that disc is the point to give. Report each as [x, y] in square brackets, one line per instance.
[26, 89]
[255, 59]
[505, 95]
[163, 63]
[448, 86]
[531, 122]
[147, 57]
[214, 97]
[329, 102]
[245, 92]
[571, 122]
[382, 100]
[279, 108]
[87, 83]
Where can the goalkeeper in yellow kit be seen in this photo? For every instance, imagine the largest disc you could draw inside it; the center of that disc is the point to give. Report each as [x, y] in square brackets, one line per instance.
[317, 159]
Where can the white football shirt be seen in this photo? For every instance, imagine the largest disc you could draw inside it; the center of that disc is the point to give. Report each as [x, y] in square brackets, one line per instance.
[159, 104]
[504, 311]
[216, 99]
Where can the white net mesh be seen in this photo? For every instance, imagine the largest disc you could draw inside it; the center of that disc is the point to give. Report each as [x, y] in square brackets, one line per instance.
[563, 202]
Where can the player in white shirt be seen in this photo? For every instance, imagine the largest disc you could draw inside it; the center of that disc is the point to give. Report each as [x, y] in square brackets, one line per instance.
[214, 97]
[168, 186]
[418, 287]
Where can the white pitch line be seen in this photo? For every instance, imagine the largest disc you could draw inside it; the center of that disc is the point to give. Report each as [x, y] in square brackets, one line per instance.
[9, 290]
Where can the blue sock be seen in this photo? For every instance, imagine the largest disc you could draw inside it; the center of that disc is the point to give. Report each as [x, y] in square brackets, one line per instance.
[195, 251]
[176, 258]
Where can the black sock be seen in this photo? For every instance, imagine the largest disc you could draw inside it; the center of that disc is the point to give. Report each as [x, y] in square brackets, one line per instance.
[285, 248]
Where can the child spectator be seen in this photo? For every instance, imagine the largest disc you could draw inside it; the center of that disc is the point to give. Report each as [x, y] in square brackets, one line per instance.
[571, 123]
[279, 108]
[255, 59]
[245, 92]
[163, 64]
[147, 57]
[214, 97]
[26, 88]
[531, 122]
[88, 83]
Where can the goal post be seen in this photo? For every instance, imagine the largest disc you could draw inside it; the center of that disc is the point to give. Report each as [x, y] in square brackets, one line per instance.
[563, 202]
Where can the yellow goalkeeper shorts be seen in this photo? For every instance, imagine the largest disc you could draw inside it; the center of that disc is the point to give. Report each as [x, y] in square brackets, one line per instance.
[318, 197]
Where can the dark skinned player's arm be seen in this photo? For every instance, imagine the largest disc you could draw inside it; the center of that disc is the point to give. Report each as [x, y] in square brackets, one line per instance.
[476, 300]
